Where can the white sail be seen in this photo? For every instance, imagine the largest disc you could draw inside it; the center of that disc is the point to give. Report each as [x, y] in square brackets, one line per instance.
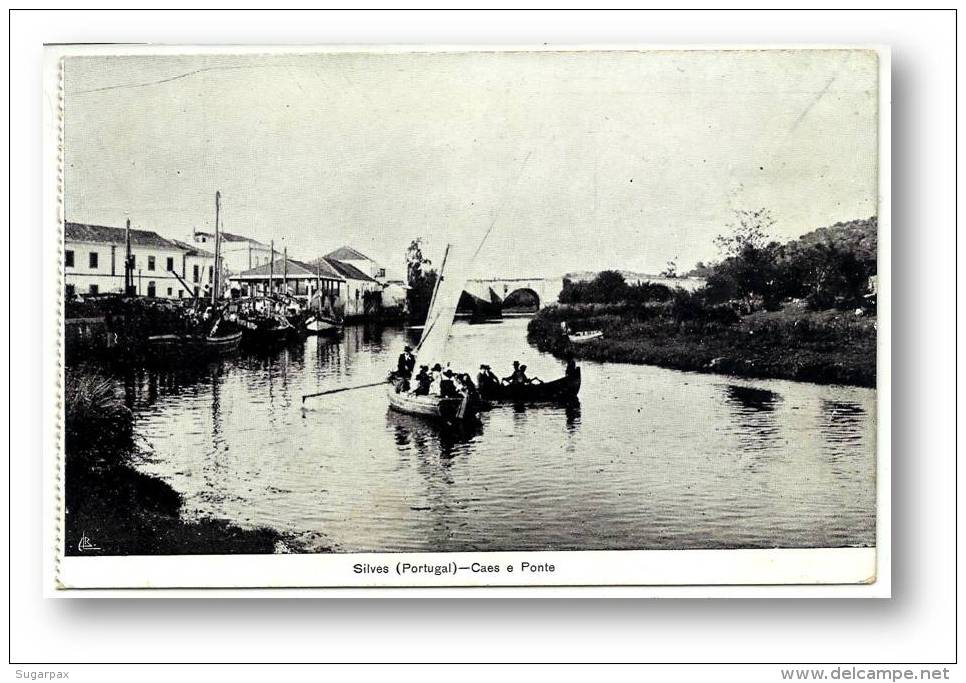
[432, 346]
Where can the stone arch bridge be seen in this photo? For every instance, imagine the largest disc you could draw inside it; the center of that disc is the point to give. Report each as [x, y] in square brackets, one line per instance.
[546, 290]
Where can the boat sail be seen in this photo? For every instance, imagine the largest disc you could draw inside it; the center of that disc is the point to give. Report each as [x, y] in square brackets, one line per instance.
[451, 280]
[433, 345]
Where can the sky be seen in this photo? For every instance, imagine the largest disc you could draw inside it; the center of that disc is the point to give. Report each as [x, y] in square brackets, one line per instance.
[552, 161]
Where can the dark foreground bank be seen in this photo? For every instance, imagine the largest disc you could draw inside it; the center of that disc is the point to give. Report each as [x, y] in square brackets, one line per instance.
[826, 347]
[110, 507]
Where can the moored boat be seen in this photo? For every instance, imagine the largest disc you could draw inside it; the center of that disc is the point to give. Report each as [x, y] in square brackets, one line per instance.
[585, 336]
[321, 325]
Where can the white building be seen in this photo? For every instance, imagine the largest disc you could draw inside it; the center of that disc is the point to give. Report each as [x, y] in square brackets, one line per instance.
[393, 290]
[94, 262]
[238, 253]
[363, 293]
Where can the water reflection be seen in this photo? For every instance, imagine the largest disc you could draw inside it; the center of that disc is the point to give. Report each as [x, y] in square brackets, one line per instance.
[755, 421]
[647, 458]
[430, 439]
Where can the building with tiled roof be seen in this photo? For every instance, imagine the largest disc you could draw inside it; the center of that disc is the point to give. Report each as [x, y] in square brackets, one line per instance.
[94, 262]
[238, 253]
[291, 276]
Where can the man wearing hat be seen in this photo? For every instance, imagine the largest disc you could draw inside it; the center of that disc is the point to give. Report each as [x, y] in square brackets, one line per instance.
[486, 377]
[406, 362]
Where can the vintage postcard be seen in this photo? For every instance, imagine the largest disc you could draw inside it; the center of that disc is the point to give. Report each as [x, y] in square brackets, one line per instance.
[468, 317]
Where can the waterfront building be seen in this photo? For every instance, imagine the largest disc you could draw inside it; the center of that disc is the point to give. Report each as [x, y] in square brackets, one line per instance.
[238, 253]
[94, 261]
[363, 295]
[393, 289]
[293, 277]
[198, 268]
[359, 261]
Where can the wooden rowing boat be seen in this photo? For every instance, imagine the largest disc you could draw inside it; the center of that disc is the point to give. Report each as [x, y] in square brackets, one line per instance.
[436, 407]
[561, 389]
[225, 342]
[320, 325]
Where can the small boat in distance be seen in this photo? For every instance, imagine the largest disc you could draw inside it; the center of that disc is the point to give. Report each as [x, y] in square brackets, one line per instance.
[584, 337]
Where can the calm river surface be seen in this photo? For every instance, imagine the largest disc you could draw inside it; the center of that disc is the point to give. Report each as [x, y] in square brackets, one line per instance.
[649, 459]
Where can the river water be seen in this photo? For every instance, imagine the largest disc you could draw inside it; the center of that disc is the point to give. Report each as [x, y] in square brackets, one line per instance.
[649, 458]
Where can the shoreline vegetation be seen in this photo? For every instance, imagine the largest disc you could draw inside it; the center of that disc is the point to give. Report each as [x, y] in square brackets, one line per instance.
[827, 347]
[804, 310]
[115, 507]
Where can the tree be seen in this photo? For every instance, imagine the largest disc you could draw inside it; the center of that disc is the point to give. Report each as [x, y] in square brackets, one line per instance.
[672, 269]
[421, 281]
[749, 229]
[415, 261]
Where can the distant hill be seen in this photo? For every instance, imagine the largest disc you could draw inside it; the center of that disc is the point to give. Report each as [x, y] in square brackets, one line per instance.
[861, 237]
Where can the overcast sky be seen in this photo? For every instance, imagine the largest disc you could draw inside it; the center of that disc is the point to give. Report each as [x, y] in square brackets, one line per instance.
[577, 160]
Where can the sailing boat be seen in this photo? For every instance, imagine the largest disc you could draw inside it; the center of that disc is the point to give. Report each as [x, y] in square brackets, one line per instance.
[432, 349]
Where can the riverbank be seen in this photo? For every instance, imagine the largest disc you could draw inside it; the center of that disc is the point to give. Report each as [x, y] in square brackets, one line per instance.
[825, 347]
[120, 510]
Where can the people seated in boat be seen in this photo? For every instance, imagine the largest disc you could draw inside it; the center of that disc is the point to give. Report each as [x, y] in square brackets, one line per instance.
[466, 386]
[423, 381]
[447, 387]
[527, 380]
[486, 377]
[406, 362]
[437, 375]
[514, 377]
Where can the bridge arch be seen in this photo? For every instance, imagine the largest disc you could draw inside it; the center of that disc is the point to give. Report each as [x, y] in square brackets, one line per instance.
[522, 299]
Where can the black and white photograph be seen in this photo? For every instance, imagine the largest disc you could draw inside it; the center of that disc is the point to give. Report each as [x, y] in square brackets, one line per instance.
[401, 301]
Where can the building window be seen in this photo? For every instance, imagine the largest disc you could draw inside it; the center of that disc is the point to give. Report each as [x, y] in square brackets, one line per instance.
[180, 293]
[150, 263]
[69, 258]
[195, 276]
[92, 289]
[151, 289]
[381, 272]
[170, 264]
[70, 290]
[211, 273]
[170, 291]
[357, 295]
[196, 289]
[92, 260]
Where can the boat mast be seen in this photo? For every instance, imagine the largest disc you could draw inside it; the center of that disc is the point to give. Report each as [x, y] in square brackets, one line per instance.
[427, 325]
[216, 275]
[285, 270]
[128, 261]
[271, 274]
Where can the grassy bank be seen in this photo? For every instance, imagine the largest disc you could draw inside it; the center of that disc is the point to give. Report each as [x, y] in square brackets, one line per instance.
[829, 347]
[121, 510]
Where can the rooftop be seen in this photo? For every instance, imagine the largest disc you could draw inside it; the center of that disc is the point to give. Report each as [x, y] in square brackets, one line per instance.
[82, 232]
[346, 270]
[347, 254]
[231, 237]
[294, 269]
[193, 250]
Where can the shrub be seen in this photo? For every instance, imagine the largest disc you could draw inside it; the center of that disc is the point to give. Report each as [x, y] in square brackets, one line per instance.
[98, 427]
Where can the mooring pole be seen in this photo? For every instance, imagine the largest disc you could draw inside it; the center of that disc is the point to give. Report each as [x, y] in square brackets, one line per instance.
[216, 268]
